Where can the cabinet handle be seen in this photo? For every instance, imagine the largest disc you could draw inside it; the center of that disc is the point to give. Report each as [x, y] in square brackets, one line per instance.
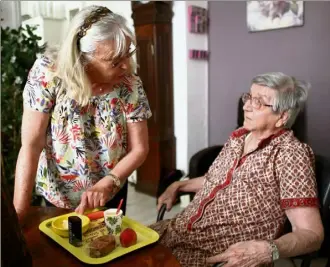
[152, 49]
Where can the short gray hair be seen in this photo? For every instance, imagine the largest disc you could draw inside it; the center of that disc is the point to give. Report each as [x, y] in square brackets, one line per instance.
[291, 94]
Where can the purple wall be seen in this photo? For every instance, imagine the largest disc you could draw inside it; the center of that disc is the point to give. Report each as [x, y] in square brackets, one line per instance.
[237, 56]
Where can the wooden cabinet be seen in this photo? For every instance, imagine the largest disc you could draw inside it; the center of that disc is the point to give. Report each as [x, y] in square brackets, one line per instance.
[153, 29]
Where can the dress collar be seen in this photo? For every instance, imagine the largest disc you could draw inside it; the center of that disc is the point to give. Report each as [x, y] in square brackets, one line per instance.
[240, 134]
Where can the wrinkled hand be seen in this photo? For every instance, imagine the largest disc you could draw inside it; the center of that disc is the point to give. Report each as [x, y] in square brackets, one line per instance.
[169, 196]
[96, 196]
[244, 254]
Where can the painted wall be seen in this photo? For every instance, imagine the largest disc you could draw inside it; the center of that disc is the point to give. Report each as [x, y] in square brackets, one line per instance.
[237, 56]
[180, 83]
[190, 86]
[197, 90]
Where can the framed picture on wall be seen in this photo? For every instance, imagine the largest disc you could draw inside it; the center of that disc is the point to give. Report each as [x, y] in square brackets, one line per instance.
[198, 19]
[270, 15]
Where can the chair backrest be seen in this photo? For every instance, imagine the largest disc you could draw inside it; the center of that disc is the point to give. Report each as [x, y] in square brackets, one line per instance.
[200, 162]
[322, 173]
[322, 169]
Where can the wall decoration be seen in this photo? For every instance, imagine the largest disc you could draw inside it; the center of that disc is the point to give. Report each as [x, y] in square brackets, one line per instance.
[269, 15]
[198, 54]
[198, 19]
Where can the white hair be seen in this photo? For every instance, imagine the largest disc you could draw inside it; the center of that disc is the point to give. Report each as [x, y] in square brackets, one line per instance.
[291, 94]
[75, 52]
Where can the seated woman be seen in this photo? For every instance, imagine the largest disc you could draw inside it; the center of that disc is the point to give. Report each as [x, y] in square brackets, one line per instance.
[262, 176]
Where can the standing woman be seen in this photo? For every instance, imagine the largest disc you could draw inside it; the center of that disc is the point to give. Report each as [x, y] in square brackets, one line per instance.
[84, 128]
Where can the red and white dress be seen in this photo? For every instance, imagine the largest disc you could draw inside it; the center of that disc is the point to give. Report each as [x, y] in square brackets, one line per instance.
[243, 198]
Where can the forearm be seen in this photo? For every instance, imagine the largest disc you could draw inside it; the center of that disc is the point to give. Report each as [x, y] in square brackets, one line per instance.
[191, 185]
[298, 242]
[129, 163]
[26, 168]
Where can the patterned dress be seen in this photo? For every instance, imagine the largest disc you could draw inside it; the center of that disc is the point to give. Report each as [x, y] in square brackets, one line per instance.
[83, 143]
[243, 198]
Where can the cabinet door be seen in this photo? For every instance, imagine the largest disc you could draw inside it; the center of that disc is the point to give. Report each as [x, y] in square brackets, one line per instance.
[153, 29]
[146, 70]
[148, 174]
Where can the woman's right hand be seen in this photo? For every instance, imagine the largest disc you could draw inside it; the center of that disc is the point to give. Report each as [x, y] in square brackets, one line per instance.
[97, 196]
[169, 196]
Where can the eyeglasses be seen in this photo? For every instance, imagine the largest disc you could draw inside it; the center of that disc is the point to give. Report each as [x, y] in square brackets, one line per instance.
[256, 102]
[115, 63]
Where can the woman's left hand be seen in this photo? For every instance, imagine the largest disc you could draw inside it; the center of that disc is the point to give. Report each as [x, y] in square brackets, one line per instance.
[244, 254]
[96, 196]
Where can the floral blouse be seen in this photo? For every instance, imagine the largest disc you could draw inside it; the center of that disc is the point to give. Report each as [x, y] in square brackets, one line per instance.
[83, 143]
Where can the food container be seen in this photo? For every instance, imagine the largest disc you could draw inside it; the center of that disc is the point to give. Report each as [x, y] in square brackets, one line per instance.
[61, 224]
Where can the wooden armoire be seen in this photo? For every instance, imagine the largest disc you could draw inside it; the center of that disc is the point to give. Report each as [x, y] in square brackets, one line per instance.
[153, 29]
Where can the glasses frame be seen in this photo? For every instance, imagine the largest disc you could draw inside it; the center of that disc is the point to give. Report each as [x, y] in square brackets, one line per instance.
[116, 63]
[256, 102]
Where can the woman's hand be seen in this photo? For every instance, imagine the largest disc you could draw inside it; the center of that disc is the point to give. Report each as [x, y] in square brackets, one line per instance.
[244, 254]
[169, 196]
[96, 196]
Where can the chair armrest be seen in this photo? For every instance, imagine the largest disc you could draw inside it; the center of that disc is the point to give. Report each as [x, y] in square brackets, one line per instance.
[161, 213]
[198, 166]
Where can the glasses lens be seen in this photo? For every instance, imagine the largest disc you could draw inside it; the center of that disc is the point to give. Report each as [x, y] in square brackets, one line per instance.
[256, 103]
[245, 97]
[132, 49]
[131, 52]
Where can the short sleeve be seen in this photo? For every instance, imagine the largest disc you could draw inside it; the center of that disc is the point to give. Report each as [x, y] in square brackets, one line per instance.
[39, 91]
[135, 100]
[296, 171]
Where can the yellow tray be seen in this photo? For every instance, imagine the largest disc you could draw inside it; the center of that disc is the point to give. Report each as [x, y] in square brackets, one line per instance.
[145, 236]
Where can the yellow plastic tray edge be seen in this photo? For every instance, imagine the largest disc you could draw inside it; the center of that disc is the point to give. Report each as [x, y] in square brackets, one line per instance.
[75, 251]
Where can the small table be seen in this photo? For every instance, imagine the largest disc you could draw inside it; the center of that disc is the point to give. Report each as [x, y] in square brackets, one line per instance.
[47, 253]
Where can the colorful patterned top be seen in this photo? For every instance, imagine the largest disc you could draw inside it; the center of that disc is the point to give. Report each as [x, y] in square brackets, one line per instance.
[83, 143]
[243, 198]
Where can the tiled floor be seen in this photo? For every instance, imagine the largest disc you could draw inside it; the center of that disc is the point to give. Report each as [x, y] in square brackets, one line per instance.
[142, 208]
